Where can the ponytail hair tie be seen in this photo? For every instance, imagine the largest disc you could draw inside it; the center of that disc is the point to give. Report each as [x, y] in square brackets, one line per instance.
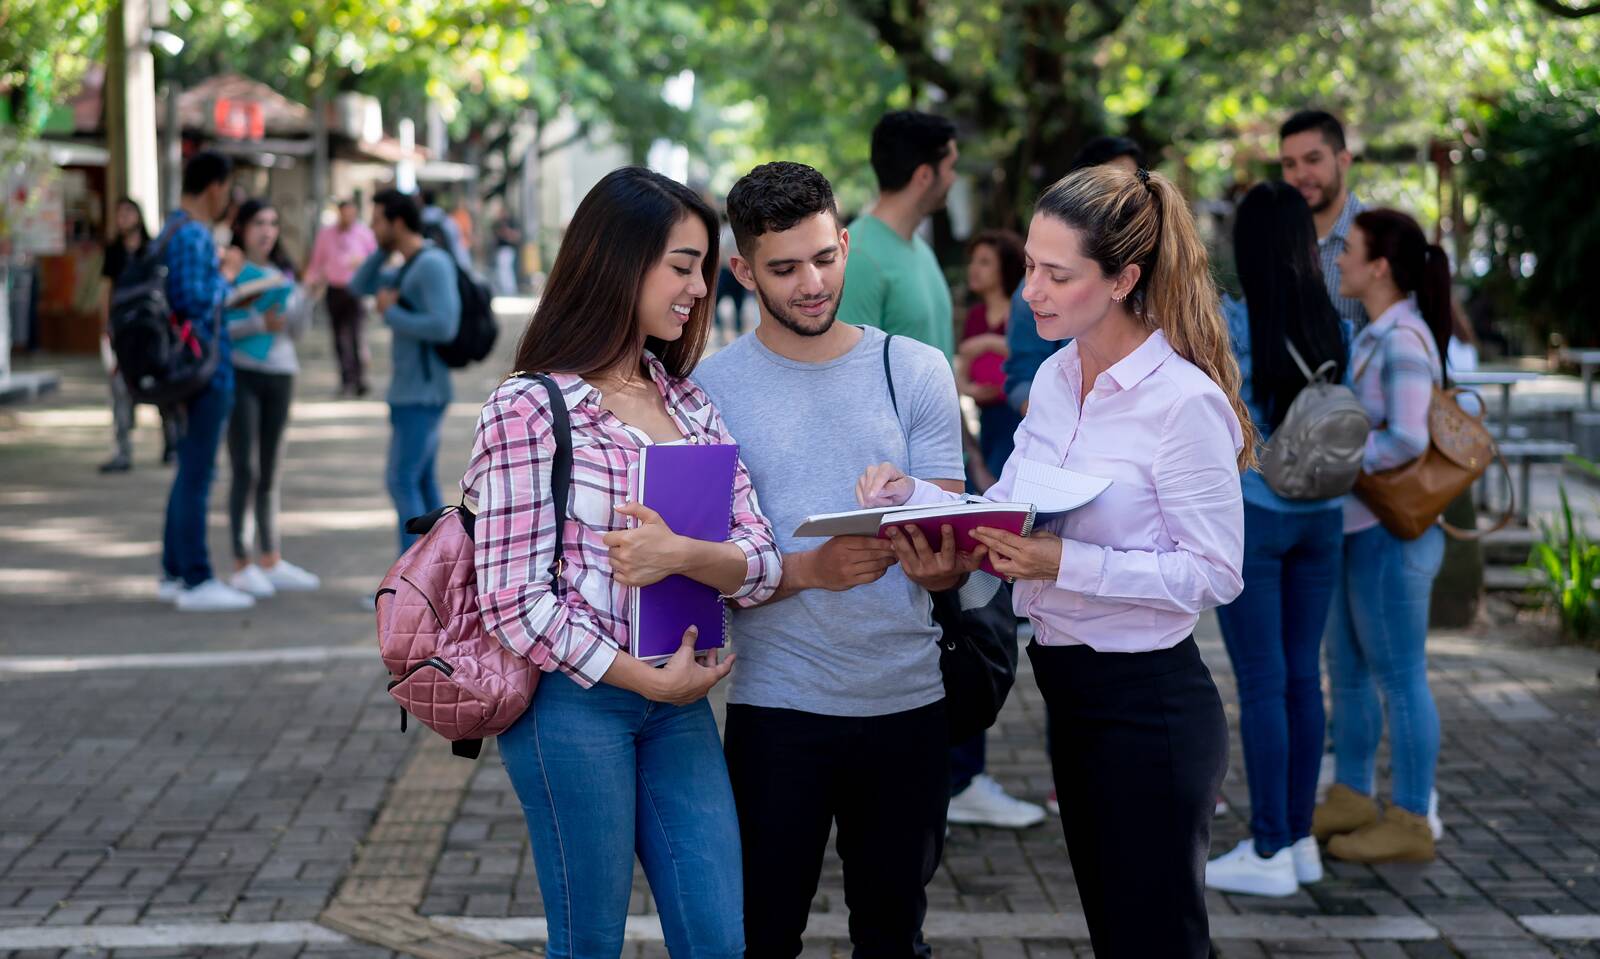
[1143, 175]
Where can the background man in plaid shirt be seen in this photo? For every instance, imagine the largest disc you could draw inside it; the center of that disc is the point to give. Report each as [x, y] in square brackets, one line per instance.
[197, 284]
[1315, 161]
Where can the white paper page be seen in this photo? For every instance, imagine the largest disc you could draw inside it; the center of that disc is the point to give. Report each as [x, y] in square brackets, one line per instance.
[1052, 489]
[864, 522]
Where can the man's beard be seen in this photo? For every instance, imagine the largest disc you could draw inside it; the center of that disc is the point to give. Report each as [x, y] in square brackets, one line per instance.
[1329, 193]
[789, 323]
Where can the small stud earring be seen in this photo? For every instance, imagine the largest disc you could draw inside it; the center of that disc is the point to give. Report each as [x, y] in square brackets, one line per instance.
[1118, 299]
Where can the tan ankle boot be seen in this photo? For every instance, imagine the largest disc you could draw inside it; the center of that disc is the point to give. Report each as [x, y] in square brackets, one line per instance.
[1345, 810]
[1400, 836]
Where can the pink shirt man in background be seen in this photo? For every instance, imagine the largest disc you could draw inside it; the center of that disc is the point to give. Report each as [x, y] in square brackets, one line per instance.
[339, 250]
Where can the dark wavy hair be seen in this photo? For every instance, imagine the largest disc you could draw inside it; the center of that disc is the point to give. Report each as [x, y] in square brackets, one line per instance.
[241, 220]
[1275, 251]
[774, 197]
[1007, 248]
[587, 320]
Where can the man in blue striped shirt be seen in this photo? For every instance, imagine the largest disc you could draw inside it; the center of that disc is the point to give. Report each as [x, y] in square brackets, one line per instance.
[197, 284]
[1311, 148]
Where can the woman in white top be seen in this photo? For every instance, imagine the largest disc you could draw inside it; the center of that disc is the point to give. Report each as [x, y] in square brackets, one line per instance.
[1146, 395]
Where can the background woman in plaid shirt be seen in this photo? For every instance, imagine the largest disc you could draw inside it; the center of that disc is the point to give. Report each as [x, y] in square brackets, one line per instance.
[1379, 623]
[616, 757]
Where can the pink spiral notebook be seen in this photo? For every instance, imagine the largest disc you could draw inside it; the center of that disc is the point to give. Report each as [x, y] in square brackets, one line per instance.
[691, 486]
[963, 518]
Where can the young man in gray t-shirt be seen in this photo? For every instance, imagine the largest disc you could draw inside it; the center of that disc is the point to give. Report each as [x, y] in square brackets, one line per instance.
[836, 711]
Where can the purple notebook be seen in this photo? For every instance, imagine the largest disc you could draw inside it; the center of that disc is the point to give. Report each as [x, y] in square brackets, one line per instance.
[691, 486]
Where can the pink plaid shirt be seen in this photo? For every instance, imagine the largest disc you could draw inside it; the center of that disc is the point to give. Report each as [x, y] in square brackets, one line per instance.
[579, 623]
[1394, 365]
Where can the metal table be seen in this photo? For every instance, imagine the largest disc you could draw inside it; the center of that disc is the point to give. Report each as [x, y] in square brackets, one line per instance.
[1505, 379]
[1587, 362]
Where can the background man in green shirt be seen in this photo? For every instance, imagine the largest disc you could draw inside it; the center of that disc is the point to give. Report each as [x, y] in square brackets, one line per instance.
[892, 279]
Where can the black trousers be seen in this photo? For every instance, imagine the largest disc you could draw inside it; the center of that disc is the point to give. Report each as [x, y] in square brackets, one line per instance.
[1139, 745]
[344, 319]
[256, 431]
[884, 779]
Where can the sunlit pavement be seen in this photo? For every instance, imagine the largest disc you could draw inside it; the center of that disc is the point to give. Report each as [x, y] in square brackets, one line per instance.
[177, 784]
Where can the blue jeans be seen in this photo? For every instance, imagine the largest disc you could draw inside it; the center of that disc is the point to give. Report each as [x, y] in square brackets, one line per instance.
[413, 447]
[967, 762]
[184, 554]
[1273, 632]
[604, 774]
[1375, 644]
[997, 429]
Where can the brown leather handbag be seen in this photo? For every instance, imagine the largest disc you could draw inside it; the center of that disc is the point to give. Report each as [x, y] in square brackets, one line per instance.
[1410, 498]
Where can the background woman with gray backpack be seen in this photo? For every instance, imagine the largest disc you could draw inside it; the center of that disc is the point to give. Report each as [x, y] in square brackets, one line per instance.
[1292, 350]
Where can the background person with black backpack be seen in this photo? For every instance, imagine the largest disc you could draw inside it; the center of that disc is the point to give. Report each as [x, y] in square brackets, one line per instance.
[129, 241]
[1292, 548]
[196, 286]
[421, 304]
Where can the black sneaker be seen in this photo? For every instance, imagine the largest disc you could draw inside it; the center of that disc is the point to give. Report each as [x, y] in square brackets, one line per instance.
[116, 464]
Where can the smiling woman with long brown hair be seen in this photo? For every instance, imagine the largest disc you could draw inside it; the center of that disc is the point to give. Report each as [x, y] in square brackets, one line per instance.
[615, 758]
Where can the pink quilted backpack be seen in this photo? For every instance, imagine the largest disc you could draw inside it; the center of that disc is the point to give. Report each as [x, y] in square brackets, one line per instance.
[446, 669]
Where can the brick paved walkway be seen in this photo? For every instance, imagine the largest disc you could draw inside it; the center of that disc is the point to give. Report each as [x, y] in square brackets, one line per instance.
[234, 800]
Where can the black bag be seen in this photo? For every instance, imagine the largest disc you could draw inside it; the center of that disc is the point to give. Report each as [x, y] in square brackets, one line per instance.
[978, 641]
[477, 332]
[159, 355]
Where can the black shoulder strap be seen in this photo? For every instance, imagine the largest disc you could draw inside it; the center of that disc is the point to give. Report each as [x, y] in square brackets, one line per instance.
[561, 468]
[888, 375]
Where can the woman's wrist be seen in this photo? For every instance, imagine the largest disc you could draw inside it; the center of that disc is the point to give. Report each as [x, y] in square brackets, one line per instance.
[633, 674]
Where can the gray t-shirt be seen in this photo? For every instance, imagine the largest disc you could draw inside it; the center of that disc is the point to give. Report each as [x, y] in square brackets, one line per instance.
[806, 431]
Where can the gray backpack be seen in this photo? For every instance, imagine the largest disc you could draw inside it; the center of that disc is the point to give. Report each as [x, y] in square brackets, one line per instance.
[1316, 452]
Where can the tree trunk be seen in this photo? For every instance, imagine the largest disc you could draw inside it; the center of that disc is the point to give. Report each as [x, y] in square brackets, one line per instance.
[320, 163]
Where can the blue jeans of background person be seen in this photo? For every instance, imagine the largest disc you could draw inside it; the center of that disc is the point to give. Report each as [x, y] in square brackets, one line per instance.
[1273, 632]
[413, 447]
[997, 429]
[1376, 639]
[967, 761]
[604, 774]
[184, 554]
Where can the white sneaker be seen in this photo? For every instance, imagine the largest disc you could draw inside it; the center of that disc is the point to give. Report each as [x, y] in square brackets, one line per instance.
[1435, 824]
[1244, 871]
[169, 589]
[1307, 861]
[984, 803]
[286, 577]
[214, 596]
[253, 581]
[1221, 808]
[1052, 803]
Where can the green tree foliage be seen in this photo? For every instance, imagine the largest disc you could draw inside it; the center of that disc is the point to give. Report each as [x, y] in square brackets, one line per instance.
[45, 47]
[1533, 169]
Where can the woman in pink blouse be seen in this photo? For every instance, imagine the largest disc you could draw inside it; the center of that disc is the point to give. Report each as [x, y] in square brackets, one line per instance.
[1146, 395]
[615, 757]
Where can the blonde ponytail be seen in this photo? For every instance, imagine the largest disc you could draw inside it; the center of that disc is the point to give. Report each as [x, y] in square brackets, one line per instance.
[1143, 219]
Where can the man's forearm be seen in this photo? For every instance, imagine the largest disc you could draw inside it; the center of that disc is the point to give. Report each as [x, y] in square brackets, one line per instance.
[797, 575]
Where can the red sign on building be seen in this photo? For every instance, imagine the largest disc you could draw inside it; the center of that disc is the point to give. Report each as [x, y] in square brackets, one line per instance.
[239, 119]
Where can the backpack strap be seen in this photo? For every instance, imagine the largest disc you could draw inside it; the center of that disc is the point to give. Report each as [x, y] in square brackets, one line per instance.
[1427, 347]
[560, 471]
[1305, 368]
[888, 375]
[561, 467]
